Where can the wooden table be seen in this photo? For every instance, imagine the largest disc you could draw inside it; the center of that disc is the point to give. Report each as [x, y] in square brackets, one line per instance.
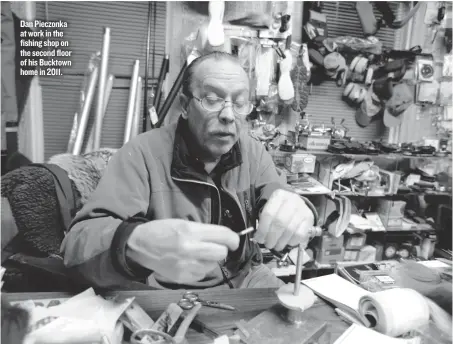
[249, 302]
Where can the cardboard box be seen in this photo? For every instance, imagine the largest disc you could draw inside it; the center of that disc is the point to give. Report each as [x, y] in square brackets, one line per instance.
[355, 241]
[319, 143]
[351, 255]
[300, 163]
[329, 249]
[329, 242]
[330, 256]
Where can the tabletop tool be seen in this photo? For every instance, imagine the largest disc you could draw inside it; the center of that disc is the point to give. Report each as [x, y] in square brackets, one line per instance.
[289, 321]
[190, 299]
[170, 328]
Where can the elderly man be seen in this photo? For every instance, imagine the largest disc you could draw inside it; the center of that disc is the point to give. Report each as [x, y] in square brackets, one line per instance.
[171, 202]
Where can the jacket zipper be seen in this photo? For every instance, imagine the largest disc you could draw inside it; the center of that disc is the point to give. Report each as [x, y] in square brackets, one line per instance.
[225, 272]
[208, 184]
[234, 199]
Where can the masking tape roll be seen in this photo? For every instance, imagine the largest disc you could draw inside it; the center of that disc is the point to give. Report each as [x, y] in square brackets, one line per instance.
[395, 311]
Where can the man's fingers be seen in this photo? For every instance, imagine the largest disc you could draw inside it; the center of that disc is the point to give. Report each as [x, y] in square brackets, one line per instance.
[281, 224]
[287, 235]
[192, 270]
[267, 215]
[219, 235]
[207, 251]
[302, 233]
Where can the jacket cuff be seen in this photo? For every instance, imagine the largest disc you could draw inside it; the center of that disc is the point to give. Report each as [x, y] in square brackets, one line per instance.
[313, 210]
[118, 249]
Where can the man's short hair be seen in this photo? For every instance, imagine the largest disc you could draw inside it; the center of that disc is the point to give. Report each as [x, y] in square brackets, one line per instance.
[188, 73]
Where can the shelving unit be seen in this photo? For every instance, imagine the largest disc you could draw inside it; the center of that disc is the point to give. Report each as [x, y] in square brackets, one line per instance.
[310, 185]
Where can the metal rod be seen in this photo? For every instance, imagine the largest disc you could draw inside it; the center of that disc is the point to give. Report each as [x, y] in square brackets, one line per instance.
[300, 253]
[108, 90]
[160, 82]
[85, 112]
[101, 88]
[246, 231]
[145, 100]
[171, 96]
[136, 123]
[132, 100]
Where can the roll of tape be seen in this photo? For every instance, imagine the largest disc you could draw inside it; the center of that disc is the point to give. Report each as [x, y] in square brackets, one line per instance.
[395, 311]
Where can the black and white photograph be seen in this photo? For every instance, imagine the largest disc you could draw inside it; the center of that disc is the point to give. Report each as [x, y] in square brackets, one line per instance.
[226, 172]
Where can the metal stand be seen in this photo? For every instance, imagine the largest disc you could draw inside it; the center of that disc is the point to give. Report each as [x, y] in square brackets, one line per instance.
[287, 322]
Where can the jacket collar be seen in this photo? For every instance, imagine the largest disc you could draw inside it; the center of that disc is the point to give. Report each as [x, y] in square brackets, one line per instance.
[186, 162]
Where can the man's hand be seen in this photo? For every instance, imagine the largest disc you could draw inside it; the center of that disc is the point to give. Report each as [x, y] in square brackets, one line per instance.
[285, 220]
[179, 250]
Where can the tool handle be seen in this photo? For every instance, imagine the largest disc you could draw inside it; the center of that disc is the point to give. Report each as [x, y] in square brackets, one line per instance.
[181, 333]
[218, 305]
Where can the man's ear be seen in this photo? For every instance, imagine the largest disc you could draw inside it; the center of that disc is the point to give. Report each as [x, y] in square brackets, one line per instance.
[184, 101]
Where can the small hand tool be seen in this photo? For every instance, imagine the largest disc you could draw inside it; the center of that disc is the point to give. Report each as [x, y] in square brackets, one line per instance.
[201, 327]
[190, 299]
[170, 328]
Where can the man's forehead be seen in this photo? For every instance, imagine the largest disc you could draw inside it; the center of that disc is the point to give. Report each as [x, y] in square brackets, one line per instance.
[217, 73]
[219, 67]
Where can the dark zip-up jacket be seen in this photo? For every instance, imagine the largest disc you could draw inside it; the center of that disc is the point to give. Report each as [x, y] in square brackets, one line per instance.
[158, 175]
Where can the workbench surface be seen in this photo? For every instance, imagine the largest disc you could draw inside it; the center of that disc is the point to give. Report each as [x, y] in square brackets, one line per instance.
[249, 302]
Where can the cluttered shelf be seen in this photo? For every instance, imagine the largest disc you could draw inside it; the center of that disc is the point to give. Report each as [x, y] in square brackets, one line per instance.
[389, 156]
[305, 184]
[280, 270]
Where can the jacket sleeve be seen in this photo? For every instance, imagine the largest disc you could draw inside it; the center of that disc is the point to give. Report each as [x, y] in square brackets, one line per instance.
[95, 247]
[267, 181]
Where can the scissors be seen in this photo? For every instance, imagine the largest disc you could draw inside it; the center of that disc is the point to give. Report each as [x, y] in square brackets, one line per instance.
[190, 299]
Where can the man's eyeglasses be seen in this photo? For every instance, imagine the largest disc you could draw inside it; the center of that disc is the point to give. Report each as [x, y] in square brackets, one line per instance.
[216, 104]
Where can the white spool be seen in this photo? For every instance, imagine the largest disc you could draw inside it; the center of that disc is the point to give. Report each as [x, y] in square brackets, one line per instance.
[396, 311]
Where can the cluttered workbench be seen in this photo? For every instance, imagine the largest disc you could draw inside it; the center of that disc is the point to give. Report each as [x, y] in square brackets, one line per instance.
[248, 302]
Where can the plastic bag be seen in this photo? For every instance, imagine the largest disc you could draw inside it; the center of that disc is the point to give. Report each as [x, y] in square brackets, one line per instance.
[189, 45]
[84, 318]
[247, 54]
[265, 70]
[355, 45]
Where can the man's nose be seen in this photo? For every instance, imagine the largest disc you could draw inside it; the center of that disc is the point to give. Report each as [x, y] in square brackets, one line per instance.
[227, 114]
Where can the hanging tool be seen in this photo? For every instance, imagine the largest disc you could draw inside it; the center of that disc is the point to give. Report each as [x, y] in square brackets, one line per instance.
[171, 96]
[164, 69]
